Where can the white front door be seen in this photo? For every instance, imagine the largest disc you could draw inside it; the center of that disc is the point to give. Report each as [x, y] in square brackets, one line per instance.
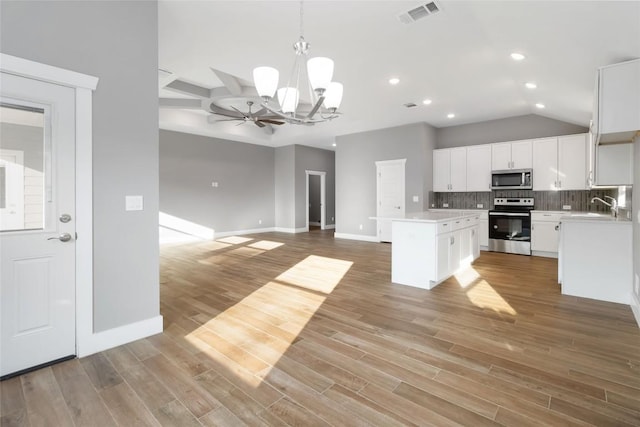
[37, 289]
[391, 197]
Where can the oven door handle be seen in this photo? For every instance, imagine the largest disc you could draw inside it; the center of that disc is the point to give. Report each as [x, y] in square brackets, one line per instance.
[522, 214]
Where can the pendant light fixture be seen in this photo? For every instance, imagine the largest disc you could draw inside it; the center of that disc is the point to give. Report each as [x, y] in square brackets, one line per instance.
[314, 73]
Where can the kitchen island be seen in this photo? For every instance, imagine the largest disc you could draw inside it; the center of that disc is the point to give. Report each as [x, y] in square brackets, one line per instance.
[429, 247]
[595, 257]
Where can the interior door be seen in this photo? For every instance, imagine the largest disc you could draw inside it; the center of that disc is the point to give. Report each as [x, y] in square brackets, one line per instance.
[391, 197]
[37, 289]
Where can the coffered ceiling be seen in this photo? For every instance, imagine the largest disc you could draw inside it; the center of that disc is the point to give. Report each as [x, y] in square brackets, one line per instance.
[459, 58]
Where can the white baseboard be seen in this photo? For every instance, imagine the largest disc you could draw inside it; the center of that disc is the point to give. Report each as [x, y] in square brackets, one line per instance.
[330, 227]
[635, 307]
[360, 237]
[545, 254]
[241, 232]
[290, 230]
[115, 337]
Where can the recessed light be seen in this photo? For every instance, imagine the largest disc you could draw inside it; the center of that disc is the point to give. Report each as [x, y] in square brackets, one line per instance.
[531, 85]
[394, 81]
[450, 116]
[334, 144]
[540, 105]
[517, 56]
[426, 102]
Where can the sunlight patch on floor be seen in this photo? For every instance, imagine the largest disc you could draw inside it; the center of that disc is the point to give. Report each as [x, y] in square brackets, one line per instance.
[251, 334]
[316, 273]
[234, 240]
[483, 295]
[265, 245]
[466, 276]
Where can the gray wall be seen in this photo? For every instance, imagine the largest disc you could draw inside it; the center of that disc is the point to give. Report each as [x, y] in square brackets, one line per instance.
[117, 42]
[285, 187]
[635, 211]
[315, 159]
[356, 155]
[509, 129]
[245, 195]
[314, 198]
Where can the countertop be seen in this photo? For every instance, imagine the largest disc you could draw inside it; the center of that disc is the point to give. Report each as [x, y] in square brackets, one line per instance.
[576, 216]
[429, 217]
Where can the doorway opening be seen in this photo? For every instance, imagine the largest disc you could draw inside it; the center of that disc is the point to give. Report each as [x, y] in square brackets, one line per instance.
[315, 215]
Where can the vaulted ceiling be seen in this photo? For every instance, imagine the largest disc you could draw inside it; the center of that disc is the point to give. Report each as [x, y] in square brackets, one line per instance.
[459, 58]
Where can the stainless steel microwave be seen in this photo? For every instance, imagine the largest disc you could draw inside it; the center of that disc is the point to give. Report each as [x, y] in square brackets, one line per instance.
[512, 179]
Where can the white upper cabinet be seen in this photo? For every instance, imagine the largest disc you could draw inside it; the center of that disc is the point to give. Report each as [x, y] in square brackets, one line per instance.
[545, 164]
[560, 163]
[441, 170]
[450, 169]
[511, 155]
[479, 168]
[617, 109]
[573, 173]
[614, 164]
[459, 169]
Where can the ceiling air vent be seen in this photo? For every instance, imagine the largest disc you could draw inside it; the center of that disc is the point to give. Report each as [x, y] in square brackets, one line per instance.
[419, 12]
[410, 105]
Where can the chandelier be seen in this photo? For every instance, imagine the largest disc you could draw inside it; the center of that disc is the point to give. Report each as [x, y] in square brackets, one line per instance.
[317, 73]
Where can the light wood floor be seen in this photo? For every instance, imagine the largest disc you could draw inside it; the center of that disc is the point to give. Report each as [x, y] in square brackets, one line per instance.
[257, 334]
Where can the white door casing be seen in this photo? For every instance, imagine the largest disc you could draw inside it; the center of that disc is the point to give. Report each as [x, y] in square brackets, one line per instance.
[390, 203]
[38, 269]
[87, 342]
[323, 197]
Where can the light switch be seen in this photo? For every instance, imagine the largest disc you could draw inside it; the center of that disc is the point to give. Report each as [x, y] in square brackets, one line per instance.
[133, 203]
[416, 199]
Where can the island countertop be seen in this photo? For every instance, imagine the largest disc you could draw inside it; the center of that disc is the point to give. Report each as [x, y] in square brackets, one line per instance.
[428, 217]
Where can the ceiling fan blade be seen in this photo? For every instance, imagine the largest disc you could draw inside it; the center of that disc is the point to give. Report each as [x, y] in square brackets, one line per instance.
[259, 123]
[243, 114]
[272, 122]
[260, 112]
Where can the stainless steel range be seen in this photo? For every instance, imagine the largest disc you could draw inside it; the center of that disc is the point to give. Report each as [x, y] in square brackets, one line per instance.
[510, 225]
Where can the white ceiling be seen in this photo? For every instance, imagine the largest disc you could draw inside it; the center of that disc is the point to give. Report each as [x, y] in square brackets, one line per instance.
[458, 58]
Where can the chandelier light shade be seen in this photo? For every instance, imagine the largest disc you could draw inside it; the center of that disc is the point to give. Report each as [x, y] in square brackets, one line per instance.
[288, 98]
[333, 96]
[320, 71]
[324, 95]
[266, 81]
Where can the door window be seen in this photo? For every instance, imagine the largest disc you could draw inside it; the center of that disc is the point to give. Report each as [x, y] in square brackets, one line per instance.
[25, 179]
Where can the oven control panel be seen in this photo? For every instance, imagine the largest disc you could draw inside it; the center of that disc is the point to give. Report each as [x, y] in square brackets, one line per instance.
[515, 201]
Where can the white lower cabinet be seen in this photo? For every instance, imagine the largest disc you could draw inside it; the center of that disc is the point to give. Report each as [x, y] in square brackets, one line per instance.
[545, 233]
[424, 254]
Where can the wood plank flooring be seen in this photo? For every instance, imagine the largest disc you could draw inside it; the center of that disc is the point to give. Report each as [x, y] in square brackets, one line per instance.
[307, 330]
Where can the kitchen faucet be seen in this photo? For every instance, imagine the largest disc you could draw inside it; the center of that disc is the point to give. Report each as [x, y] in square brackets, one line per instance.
[613, 205]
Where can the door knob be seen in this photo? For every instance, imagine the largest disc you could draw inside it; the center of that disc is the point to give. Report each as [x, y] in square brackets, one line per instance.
[64, 237]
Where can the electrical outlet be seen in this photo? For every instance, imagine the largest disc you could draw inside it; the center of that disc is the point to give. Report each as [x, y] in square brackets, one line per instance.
[259, 221]
[479, 206]
[566, 207]
[360, 226]
[332, 218]
[433, 205]
[416, 199]
[214, 184]
[445, 205]
[637, 285]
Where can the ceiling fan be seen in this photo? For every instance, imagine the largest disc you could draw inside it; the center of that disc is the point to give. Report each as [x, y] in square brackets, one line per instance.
[258, 118]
